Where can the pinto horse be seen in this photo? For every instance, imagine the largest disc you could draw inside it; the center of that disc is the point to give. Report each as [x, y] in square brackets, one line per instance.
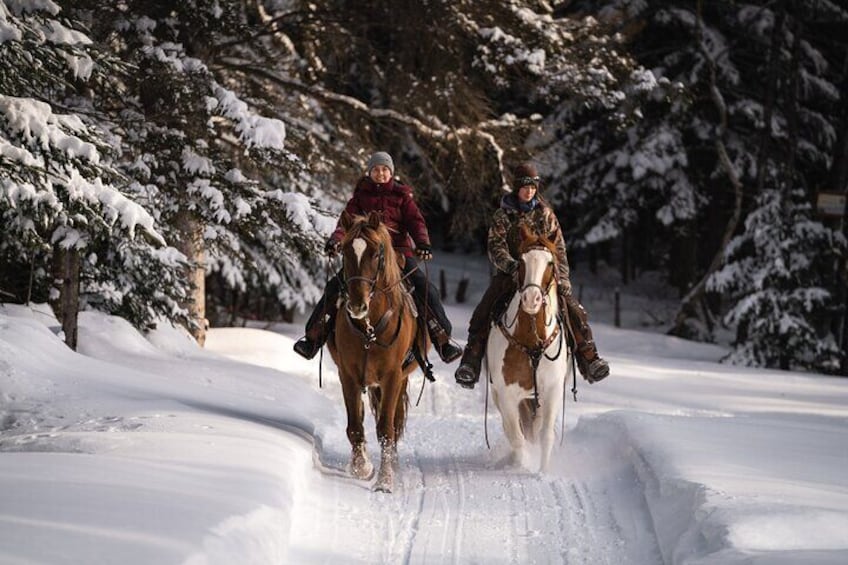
[374, 332]
[527, 353]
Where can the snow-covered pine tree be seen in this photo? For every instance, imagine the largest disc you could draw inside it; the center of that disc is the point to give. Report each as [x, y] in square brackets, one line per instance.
[216, 174]
[776, 273]
[761, 77]
[61, 197]
[619, 177]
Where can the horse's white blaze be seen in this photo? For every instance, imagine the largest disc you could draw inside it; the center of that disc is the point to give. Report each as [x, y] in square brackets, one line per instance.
[536, 262]
[358, 311]
[359, 246]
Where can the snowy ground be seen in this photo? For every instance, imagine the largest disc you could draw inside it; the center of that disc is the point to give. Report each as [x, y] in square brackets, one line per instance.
[151, 450]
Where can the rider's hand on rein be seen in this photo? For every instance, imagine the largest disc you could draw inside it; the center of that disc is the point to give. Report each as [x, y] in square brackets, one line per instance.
[332, 247]
[423, 252]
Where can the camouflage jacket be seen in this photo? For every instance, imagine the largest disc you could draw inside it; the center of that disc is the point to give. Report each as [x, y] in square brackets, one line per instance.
[504, 236]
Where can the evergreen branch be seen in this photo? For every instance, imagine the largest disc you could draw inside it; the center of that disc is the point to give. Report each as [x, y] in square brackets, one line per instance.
[689, 302]
[440, 133]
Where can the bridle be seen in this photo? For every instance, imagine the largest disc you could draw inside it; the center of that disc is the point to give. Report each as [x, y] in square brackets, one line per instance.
[536, 350]
[544, 291]
[372, 282]
[369, 334]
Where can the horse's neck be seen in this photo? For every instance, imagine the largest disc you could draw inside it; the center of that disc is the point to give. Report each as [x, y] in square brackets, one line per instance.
[387, 297]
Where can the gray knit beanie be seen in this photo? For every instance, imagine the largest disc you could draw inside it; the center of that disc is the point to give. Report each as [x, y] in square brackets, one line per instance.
[381, 158]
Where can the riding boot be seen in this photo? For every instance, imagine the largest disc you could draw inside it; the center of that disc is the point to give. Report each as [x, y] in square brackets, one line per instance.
[447, 350]
[429, 305]
[468, 373]
[320, 323]
[589, 363]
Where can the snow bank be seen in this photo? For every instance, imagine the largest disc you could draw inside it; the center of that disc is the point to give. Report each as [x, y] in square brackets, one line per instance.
[725, 490]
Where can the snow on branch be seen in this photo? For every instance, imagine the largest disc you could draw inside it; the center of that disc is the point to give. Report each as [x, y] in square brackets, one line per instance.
[437, 132]
[253, 130]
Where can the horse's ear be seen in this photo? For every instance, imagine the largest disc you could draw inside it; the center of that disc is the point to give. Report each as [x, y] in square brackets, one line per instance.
[374, 219]
[524, 233]
[346, 220]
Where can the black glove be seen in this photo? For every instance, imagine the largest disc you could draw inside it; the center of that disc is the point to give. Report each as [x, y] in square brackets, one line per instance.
[423, 252]
[332, 247]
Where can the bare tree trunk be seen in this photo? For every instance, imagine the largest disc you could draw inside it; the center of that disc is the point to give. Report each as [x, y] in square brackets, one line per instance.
[689, 304]
[66, 273]
[770, 96]
[191, 245]
[792, 109]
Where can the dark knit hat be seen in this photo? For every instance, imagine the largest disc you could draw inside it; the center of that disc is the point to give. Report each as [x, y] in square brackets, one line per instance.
[525, 174]
[381, 158]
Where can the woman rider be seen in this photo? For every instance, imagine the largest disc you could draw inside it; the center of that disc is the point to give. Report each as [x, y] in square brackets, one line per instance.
[379, 191]
[525, 206]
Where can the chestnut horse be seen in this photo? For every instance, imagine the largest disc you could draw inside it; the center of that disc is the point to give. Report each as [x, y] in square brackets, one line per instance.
[374, 332]
[527, 353]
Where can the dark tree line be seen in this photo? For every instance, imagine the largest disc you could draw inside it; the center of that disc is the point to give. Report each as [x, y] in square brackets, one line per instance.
[229, 132]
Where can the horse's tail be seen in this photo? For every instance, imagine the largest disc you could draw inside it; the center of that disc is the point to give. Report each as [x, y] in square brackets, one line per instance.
[526, 415]
[375, 396]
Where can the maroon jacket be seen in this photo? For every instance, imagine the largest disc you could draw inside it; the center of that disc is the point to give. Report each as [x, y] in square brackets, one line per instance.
[400, 213]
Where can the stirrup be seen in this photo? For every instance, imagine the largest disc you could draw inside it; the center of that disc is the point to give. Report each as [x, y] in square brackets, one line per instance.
[448, 352]
[466, 376]
[306, 348]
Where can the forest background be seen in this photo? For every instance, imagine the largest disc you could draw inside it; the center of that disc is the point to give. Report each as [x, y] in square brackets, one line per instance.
[187, 160]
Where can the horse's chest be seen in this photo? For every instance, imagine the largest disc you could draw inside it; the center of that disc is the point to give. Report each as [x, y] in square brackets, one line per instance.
[517, 368]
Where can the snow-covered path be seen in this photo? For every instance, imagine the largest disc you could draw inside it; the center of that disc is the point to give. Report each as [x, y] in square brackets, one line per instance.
[454, 503]
[147, 449]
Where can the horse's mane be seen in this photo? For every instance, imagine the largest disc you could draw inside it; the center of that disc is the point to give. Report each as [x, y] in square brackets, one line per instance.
[532, 239]
[362, 227]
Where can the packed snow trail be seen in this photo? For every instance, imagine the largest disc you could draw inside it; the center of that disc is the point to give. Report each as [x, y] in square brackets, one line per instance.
[454, 503]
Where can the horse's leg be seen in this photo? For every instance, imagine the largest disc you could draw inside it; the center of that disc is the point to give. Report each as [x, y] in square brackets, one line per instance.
[386, 432]
[511, 419]
[552, 403]
[550, 411]
[360, 465]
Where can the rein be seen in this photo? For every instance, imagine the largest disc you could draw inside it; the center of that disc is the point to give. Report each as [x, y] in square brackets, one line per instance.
[535, 352]
[329, 274]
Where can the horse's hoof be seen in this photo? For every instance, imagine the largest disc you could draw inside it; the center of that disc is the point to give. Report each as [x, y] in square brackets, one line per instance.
[363, 474]
[383, 485]
[363, 471]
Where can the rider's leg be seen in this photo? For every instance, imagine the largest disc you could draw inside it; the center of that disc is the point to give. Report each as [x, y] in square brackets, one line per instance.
[429, 305]
[591, 365]
[321, 321]
[468, 372]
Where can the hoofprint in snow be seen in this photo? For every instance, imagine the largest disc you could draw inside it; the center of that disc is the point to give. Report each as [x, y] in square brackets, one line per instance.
[151, 450]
